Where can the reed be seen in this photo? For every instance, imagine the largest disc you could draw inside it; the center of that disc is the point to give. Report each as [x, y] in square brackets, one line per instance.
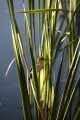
[56, 41]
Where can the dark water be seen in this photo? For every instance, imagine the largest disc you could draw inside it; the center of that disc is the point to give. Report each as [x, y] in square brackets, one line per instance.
[9, 88]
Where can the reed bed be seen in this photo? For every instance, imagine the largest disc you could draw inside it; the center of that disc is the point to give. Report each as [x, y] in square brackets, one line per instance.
[57, 41]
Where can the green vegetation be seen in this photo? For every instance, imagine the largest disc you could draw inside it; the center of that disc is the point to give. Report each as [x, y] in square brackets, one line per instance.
[54, 45]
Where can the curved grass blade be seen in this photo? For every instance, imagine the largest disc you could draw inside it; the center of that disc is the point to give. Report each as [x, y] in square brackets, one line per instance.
[46, 10]
[9, 66]
[22, 81]
[77, 115]
[59, 43]
[34, 84]
[20, 69]
[74, 14]
[69, 44]
[70, 95]
[56, 90]
[71, 99]
[60, 113]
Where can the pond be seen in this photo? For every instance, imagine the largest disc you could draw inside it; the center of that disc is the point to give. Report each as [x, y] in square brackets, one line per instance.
[9, 87]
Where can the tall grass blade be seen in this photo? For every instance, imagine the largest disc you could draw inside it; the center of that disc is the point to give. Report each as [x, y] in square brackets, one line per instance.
[67, 83]
[18, 57]
[54, 111]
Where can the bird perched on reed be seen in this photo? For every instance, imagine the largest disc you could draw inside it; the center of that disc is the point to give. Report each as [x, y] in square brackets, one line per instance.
[39, 66]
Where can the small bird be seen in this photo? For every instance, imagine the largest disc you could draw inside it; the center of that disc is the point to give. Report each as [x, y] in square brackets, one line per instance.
[39, 66]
